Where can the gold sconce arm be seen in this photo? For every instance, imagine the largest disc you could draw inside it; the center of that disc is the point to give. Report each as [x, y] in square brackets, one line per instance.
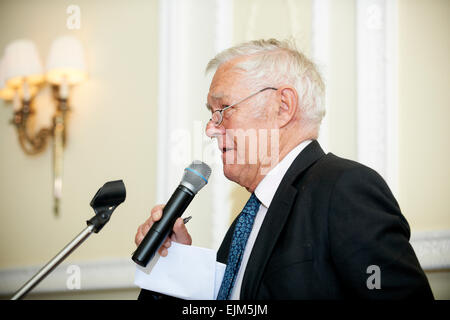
[36, 144]
[30, 144]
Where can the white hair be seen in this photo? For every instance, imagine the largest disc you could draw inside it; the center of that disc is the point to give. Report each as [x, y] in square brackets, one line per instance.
[274, 63]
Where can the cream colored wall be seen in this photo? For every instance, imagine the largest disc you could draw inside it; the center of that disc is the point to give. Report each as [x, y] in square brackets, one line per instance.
[113, 123]
[341, 102]
[424, 112]
[111, 132]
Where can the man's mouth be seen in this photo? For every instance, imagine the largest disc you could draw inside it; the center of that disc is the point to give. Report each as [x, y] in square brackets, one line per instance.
[226, 149]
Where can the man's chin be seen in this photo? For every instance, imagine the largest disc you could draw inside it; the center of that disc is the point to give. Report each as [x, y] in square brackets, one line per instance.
[231, 172]
[227, 170]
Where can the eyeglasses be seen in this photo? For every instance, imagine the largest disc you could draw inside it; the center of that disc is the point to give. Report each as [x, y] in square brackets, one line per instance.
[217, 116]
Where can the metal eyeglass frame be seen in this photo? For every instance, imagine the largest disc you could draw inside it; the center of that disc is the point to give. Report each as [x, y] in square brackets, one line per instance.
[221, 111]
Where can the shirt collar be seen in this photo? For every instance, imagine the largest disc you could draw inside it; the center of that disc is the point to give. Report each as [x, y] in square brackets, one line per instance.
[266, 189]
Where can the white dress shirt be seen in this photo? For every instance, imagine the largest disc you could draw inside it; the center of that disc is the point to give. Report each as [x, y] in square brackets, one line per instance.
[264, 192]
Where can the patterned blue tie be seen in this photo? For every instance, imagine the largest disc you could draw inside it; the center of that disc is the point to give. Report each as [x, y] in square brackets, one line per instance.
[240, 236]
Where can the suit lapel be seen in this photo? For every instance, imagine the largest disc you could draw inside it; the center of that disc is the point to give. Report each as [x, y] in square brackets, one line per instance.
[275, 220]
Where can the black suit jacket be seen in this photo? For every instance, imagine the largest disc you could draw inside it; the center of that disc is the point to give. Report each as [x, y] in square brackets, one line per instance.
[330, 220]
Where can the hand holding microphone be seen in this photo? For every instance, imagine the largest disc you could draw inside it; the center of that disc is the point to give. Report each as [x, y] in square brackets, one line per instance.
[180, 233]
[160, 224]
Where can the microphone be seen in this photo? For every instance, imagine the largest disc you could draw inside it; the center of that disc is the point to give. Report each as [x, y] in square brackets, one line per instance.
[194, 178]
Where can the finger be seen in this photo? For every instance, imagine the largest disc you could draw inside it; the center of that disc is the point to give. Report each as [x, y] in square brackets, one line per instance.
[149, 221]
[158, 207]
[163, 252]
[168, 243]
[138, 238]
[156, 215]
[181, 233]
[145, 229]
[156, 212]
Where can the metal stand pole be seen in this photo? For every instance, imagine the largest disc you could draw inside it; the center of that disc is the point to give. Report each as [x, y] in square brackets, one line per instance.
[52, 264]
[104, 203]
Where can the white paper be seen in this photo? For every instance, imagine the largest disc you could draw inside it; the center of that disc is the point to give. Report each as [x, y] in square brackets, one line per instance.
[187, 272]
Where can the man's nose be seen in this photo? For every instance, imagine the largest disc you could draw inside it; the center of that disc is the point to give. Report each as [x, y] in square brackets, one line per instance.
[214, 131]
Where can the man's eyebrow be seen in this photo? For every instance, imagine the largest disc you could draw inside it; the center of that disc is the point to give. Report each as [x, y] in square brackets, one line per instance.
[216, 96]
[220, 95]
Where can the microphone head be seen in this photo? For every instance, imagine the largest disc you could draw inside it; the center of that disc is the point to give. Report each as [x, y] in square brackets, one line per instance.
[196, 176]
[111, 194]
[105, 202]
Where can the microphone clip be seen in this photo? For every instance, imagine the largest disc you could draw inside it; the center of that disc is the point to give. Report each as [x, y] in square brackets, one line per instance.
[105, 202]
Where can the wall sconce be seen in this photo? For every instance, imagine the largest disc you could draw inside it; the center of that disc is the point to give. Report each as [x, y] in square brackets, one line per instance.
[22, 76]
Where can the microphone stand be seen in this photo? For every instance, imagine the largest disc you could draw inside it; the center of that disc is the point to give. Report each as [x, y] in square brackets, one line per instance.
[52, 264]
[104, 202]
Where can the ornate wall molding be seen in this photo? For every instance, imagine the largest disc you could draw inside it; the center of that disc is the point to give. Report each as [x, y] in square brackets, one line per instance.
[321, 56]
[432, 249]
[376, 45]
[94, 275]
[221, 187]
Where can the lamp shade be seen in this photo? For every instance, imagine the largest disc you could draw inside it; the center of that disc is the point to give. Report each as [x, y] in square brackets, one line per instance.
[66, 60]
[6, 93]
[22, 62]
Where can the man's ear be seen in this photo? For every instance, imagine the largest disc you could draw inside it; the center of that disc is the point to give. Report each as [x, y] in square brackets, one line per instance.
[288, 104]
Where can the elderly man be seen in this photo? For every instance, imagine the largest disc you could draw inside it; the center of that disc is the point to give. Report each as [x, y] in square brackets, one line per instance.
[316, 226]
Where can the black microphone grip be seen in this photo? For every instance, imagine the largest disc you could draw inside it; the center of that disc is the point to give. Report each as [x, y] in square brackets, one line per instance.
[155, 237]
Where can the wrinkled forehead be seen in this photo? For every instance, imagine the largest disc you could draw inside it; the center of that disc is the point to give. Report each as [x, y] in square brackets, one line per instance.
[227, 80]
